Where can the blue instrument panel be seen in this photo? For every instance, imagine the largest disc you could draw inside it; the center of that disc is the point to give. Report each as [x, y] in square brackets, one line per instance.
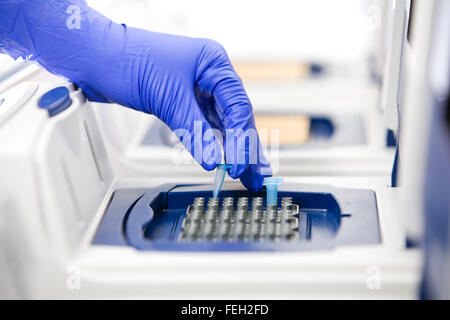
[151, 219]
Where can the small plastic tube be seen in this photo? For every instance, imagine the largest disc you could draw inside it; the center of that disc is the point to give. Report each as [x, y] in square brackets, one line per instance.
[272, 184]
[218, 180]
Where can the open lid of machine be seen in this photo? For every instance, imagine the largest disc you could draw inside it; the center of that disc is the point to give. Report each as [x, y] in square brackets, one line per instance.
[398, 16]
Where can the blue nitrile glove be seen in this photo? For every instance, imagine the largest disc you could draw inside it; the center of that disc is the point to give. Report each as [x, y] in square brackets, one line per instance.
[181, 80]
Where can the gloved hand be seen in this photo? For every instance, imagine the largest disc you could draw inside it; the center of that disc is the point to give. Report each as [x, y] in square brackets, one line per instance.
[188, 83]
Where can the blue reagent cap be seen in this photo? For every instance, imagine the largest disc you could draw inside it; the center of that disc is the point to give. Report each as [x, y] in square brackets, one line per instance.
[272, 184]
[55, 101]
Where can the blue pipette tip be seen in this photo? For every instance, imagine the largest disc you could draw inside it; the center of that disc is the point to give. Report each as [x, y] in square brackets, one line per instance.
[221, 169]
[272, 184]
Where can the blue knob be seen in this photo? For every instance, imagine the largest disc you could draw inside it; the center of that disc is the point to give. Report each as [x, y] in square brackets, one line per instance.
[55, 101]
